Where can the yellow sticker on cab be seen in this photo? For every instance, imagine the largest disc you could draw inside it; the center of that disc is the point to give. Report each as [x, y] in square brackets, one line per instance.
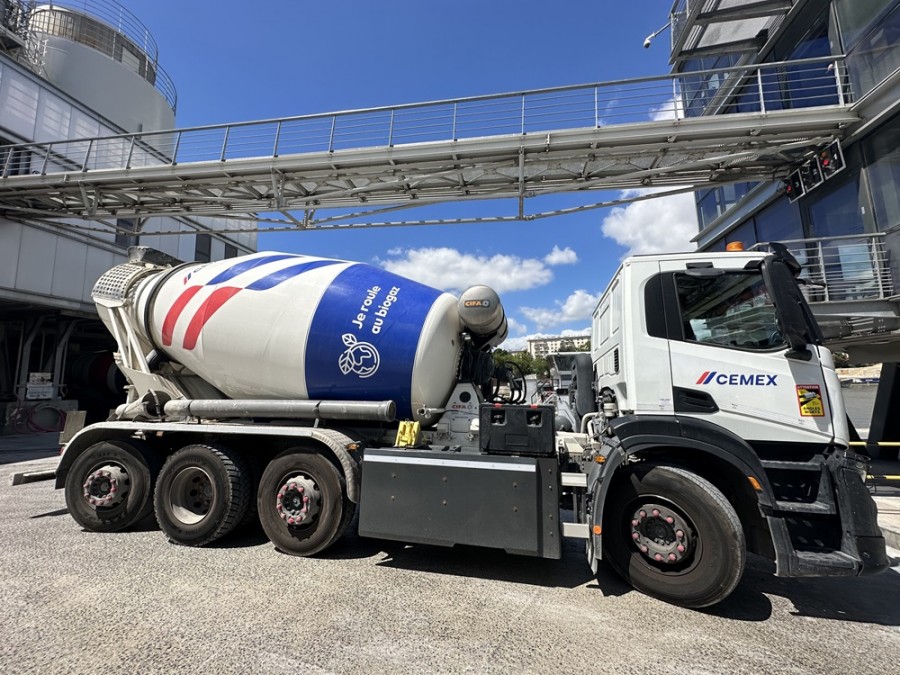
[809, 396]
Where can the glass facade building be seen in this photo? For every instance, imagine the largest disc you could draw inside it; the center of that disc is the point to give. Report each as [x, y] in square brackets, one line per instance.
[864, 198]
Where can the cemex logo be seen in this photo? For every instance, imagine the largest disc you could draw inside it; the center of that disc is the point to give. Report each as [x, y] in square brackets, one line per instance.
[737, 379]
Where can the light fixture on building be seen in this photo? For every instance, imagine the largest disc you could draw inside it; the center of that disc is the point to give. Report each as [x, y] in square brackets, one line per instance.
[814, 171]
[650, 38]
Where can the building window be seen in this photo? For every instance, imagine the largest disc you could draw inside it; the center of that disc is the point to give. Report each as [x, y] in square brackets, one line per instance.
[230, 251]
[855, 17]
[127, 232]
[203, 247]
[713, 203]
[780, 221]
[838, 212]
[809, 86]
[883, 173]
[876, 56]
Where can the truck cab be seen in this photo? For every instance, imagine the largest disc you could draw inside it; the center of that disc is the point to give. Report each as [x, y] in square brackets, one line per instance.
[701, 336]
[711, 366]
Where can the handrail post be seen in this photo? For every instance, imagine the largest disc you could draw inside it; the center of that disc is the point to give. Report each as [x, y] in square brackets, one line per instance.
[838, 81]
[762, 95]
[175, 150]
[596, 106]
[877, 252]
[224, 144]
[7, 162]
[331, 136]
[821, 257]
[87, 155]
[675, 97]
[130, 153]
[391, 131]
[455, 105]
[46, 160]
[277, 138]
[523, 114]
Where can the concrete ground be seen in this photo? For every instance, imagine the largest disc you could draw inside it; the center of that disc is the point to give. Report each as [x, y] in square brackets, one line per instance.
[75, 601]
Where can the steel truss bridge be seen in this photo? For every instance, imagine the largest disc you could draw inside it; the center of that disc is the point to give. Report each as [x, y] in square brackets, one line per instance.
[352, 168]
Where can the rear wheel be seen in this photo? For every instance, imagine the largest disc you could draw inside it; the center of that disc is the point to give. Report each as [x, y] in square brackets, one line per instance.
[673, 535]
[302, 503]
[110, 485]
[202, 494]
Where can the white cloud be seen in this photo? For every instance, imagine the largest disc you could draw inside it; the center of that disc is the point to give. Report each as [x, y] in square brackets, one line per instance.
[516, 344]
[579, 305]
[670, 110]
[561, 256]
[452, 270]
[516, 327]
[662, 225]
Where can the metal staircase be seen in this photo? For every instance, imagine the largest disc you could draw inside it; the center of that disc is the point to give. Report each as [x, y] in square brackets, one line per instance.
[348, 169]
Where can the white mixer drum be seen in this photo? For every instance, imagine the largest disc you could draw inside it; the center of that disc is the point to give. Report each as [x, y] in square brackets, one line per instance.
[278, 325]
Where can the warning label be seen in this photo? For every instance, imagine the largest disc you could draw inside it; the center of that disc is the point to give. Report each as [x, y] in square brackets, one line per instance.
[809, 396]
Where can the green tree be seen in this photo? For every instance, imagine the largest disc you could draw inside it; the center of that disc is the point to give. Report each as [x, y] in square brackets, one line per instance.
[522, 359]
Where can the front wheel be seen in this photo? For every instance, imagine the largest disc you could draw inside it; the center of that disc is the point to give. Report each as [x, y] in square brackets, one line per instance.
[673, 535]
[302, 503]
[110, 485]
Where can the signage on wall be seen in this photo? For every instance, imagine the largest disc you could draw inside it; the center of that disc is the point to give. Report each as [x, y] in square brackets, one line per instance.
[815, 171]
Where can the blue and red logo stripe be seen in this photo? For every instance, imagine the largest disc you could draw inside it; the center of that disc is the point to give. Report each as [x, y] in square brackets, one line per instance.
[220, 296]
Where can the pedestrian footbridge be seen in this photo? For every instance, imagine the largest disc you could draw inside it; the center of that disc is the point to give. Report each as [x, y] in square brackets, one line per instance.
[350, 168]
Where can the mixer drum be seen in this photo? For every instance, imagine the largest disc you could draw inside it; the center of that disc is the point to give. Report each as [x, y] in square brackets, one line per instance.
[276, 325]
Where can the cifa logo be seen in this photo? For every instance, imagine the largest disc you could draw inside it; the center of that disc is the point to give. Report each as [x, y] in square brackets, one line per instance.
[360, 358]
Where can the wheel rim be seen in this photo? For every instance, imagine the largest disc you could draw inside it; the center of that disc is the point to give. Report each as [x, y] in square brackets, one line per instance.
[298, 501]
[191, 495]
[106, 486]
[662, 534]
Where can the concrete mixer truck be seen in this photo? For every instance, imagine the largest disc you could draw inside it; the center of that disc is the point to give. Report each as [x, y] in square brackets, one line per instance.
[303, 391]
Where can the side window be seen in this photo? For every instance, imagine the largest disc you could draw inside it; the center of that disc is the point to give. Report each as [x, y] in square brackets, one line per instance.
[733, 309]
[203, 247]
[127, 232]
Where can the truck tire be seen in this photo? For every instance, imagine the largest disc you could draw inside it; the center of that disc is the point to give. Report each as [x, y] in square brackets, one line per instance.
[302, 503]
[581, 395]
[673, 535]
[203, 493]
[110, 485]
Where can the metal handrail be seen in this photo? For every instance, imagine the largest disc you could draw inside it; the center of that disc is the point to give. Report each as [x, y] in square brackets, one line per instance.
[517, 113]
[842, 268]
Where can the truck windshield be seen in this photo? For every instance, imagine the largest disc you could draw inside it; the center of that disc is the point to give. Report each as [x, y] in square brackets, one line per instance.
[733, 309]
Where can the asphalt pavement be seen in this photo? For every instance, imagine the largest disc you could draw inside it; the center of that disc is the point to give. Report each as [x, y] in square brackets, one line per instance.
[79, 602]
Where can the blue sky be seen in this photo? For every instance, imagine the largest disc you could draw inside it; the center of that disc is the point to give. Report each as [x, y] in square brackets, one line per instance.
[235, 61]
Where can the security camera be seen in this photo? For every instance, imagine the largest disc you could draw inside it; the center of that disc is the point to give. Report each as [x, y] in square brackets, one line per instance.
[647, 42]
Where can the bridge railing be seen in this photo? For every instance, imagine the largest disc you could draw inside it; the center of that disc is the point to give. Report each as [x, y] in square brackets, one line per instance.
[755, 89]
[851, 267]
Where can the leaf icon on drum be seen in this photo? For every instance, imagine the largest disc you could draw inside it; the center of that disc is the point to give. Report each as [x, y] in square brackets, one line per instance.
[360, 358]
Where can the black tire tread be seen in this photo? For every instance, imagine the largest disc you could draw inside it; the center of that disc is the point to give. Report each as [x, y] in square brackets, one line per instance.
[273, 527]
[238, 475]
[150, 462]
[723, 509]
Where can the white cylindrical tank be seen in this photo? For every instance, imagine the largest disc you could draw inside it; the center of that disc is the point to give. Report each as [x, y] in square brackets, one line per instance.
[279, 325]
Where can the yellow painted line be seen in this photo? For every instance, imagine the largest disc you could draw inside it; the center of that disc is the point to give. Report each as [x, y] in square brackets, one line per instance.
[886, 444]
[874, 477]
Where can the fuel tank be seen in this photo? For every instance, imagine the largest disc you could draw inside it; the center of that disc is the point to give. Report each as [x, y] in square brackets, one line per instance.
[280, 325]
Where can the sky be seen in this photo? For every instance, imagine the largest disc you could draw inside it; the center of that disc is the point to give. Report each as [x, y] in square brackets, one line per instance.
[236, 61]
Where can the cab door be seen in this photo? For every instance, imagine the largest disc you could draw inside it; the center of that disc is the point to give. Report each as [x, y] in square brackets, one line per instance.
[733, 366]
